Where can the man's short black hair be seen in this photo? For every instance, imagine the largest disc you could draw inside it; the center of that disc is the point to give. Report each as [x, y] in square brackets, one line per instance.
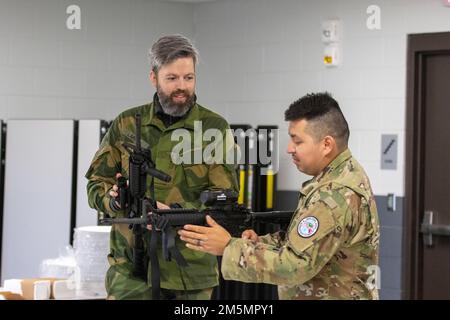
[323, 115]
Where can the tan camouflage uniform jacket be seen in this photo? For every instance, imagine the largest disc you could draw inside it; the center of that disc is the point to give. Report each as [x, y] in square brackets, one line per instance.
[188, 180]
[330, 250]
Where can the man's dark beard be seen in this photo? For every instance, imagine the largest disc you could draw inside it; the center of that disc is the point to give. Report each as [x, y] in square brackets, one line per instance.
[175, 109]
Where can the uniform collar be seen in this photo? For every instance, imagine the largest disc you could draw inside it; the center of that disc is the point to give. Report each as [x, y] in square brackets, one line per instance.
[187, 121]
[341, 158]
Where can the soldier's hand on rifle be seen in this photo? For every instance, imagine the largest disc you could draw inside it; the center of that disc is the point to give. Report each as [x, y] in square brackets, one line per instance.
[114, 194]
[212, 239]
[162, 206]
[250, 234]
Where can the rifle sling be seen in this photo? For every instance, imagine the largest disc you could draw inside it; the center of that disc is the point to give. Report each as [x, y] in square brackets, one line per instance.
[153, 247]
[169, 248]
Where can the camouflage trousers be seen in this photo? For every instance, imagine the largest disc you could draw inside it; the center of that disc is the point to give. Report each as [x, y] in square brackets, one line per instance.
[122, 287]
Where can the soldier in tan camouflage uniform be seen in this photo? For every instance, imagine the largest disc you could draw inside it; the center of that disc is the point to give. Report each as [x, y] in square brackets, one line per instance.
[330, 249]
[173, 60]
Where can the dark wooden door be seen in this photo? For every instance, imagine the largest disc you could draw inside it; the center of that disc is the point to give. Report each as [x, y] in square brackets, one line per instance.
[428, 166]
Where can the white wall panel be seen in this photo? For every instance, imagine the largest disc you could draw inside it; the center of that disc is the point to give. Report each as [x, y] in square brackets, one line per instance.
[88, 143]
[37, 199]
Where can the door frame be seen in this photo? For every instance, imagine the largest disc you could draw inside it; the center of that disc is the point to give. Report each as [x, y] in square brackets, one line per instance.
[419, 47]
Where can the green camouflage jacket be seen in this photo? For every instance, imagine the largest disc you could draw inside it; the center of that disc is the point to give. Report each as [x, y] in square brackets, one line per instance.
[330, 249]
[188, 180]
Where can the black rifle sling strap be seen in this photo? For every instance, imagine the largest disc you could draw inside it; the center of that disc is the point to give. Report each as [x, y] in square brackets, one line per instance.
[153, 255]
[139, 254]
[170, 249]
[152, 249]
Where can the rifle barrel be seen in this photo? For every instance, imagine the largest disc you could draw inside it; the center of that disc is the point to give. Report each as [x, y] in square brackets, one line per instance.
[110, 221]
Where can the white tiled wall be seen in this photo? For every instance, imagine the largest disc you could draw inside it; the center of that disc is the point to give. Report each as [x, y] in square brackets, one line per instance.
[48, 71]
[260, 55]
[257, 56]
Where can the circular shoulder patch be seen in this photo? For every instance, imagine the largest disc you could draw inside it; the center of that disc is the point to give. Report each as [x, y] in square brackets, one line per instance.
[308, 227]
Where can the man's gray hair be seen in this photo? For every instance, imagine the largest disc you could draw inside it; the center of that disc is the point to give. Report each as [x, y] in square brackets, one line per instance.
[169, 48]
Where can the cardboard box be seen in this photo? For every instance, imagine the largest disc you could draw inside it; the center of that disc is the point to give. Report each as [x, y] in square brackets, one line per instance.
[41, 288]
[63, 289]
[8, 295]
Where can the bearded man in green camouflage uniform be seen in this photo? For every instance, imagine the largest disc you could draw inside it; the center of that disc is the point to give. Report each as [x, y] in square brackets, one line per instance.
[173, 59]
[330, 249]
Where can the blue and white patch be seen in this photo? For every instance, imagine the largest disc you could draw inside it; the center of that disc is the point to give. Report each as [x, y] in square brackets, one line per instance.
[308, 227]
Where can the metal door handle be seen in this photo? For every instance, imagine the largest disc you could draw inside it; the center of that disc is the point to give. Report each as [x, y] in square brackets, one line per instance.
[429, 229]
